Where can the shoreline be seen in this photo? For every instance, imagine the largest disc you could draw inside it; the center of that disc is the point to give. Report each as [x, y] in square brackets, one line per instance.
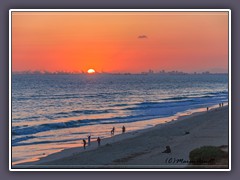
[67, 156]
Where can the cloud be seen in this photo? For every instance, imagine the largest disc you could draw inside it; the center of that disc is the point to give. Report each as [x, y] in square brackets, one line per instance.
[142, 37]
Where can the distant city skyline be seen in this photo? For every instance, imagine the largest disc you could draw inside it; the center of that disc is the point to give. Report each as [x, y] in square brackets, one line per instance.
[150, 71]
[120, 42]
[140, 72]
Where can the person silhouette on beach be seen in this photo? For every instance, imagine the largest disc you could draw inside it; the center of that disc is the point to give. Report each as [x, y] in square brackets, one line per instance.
[99, 141]
[89, 140]
[167, 150]
[207, 108]
[84, 143]
[123, 129]
[222, 104]
[112, 131]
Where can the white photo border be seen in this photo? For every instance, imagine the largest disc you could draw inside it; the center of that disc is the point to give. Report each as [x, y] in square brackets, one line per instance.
[116, 10]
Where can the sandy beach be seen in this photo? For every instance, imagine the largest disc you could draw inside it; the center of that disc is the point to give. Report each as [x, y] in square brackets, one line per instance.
[143, 149]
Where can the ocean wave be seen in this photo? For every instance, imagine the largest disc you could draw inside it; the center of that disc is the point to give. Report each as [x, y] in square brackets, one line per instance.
[154, 105]
[64, 114]
[71, 124]
[119, 105]
[20, 143]
[135, 112]
[17, 140]
[176, 98]
[85, 112]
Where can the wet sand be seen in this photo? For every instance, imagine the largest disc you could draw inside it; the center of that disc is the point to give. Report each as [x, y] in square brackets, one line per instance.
[143, 148]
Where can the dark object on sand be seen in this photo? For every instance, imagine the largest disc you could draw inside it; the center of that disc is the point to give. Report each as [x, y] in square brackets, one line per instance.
[112, 131]
[207, 108]
[84, 143]
[123, 129]
[187, 132]
[167, 150]
[99, 141]
[89, 140]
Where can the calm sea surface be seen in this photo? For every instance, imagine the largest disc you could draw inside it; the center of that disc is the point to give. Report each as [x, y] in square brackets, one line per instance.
[53, 112]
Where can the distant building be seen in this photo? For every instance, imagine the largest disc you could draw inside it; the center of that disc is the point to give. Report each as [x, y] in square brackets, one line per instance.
[206, 72]
[150, 71]
[162, 72]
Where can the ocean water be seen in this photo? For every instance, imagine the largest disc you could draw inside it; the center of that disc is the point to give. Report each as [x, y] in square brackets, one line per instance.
[53, 112]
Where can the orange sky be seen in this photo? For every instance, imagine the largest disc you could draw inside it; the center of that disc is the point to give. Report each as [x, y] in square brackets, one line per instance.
[108, 41]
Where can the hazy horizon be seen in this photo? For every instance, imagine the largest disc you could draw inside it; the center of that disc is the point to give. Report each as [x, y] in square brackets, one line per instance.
[123, 72]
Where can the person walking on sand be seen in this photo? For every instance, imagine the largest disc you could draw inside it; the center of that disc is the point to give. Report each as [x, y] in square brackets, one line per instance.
[89, 140]
[112, 131]
[99, 141]
[84, 143]
[123, 129]
[207, 108]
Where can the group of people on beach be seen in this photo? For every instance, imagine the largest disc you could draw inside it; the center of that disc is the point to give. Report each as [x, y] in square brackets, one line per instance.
[113, 130]
[99, 139]
[220, 105]
[89, 141]
[167, 150]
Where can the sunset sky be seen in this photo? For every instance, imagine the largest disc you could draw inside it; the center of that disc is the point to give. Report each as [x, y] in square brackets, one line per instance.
[120, 41]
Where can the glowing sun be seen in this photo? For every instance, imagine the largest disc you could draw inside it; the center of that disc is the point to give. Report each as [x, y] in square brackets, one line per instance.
[91, 71]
